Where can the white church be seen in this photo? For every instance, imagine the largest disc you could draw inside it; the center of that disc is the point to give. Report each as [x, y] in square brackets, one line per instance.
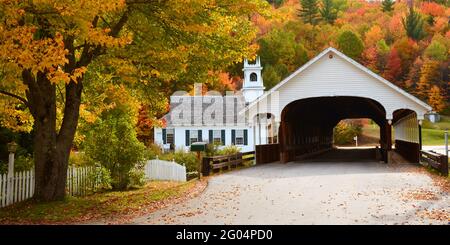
[192, 125]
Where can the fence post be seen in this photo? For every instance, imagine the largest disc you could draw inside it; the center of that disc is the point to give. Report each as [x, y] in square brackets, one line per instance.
[9, 192]
[446, 143]
[206, 167]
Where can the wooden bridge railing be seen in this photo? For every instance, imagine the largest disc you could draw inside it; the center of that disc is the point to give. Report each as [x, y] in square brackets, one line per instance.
[267, 153]
[227, 161]
[409, 150]
[435, 160]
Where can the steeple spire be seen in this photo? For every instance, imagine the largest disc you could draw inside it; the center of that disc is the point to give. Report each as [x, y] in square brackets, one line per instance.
[253, 85]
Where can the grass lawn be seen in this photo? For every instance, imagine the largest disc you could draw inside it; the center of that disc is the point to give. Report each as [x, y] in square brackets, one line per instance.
[107, 205]
[432, 136]
[432, 133]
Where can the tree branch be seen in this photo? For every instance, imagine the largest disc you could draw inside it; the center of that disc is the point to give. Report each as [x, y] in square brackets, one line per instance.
[23, 100]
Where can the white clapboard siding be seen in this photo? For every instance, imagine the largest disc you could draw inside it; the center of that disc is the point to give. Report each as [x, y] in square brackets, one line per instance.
[164, 170]
[333, 74]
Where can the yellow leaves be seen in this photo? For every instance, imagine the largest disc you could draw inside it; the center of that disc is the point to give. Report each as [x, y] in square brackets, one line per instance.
[18, 46]
[78, 73]
[101, 37]
[58, 75]
[15, 119]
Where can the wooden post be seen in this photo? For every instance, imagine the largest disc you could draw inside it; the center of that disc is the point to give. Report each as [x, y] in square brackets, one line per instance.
[420, 137]
[10, 181]
[388, 136]
[199, 156]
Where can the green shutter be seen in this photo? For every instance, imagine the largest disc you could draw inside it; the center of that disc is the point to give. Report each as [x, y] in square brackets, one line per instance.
[222, 134]
[233, 137]
[211, 136]
[200, 135]
[187, 138]
[164, 134]
[245, 137]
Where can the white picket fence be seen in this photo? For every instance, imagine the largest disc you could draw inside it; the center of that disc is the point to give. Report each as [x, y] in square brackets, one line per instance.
[16, 189]
[21, 185]
[157, 169]
[80, 181]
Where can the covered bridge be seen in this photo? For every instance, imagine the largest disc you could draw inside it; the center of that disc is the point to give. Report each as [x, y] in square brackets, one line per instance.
[296, 117]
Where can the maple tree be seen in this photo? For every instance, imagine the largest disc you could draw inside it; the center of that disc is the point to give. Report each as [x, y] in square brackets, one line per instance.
[429, 75]
[394, 66]
[436, 99]
[373, 35]
[47, 48]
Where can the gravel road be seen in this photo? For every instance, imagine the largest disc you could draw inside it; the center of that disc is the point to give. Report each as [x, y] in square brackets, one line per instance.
[316, 191]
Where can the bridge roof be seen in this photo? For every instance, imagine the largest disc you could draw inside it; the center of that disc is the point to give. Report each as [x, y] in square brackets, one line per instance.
[305, 67]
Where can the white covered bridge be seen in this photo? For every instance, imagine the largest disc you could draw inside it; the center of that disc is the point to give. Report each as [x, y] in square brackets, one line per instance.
[297, 117]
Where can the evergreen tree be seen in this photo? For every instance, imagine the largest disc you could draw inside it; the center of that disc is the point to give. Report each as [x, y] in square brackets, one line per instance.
[387, 5]
[309, 11]
[275, 3]
[328, 11]
[413, 24]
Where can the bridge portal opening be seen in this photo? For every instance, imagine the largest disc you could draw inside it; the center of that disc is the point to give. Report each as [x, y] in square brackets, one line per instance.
[308, 126]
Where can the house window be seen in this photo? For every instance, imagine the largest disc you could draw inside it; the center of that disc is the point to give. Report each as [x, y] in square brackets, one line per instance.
[217, 137]
[193, 136]
[253, 77]
[170, 136]
[239, 139]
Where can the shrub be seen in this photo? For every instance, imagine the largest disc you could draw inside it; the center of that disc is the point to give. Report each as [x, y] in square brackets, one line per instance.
[79, 159]
[211, 149]
[3, 167]
[228, 150]
[23, 163]
[344, 132]
[189, 159]
[137, 176]
[153, 150]
[102, 176]
[112, 143]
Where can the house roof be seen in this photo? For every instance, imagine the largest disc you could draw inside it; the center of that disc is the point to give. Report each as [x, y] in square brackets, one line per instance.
[202, 110]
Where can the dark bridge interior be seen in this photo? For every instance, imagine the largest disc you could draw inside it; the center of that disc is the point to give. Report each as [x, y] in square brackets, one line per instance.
[307, 125]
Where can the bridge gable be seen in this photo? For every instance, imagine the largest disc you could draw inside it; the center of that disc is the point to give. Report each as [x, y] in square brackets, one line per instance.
[331, 73]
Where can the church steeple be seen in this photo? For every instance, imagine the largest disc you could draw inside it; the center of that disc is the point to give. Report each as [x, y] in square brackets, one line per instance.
[253, 85]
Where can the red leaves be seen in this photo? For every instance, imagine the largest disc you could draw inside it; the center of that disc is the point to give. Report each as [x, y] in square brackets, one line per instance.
[394, 66]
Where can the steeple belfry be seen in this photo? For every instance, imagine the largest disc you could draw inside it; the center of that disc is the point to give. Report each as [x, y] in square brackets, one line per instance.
[253, 86]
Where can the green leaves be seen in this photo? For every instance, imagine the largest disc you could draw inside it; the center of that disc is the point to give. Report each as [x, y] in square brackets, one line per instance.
[350, 44]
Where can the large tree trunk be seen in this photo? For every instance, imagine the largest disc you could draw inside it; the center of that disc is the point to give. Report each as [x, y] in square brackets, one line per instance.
[51, 148]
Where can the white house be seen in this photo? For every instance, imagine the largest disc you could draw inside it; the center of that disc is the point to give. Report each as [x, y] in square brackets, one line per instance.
[213, 117]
